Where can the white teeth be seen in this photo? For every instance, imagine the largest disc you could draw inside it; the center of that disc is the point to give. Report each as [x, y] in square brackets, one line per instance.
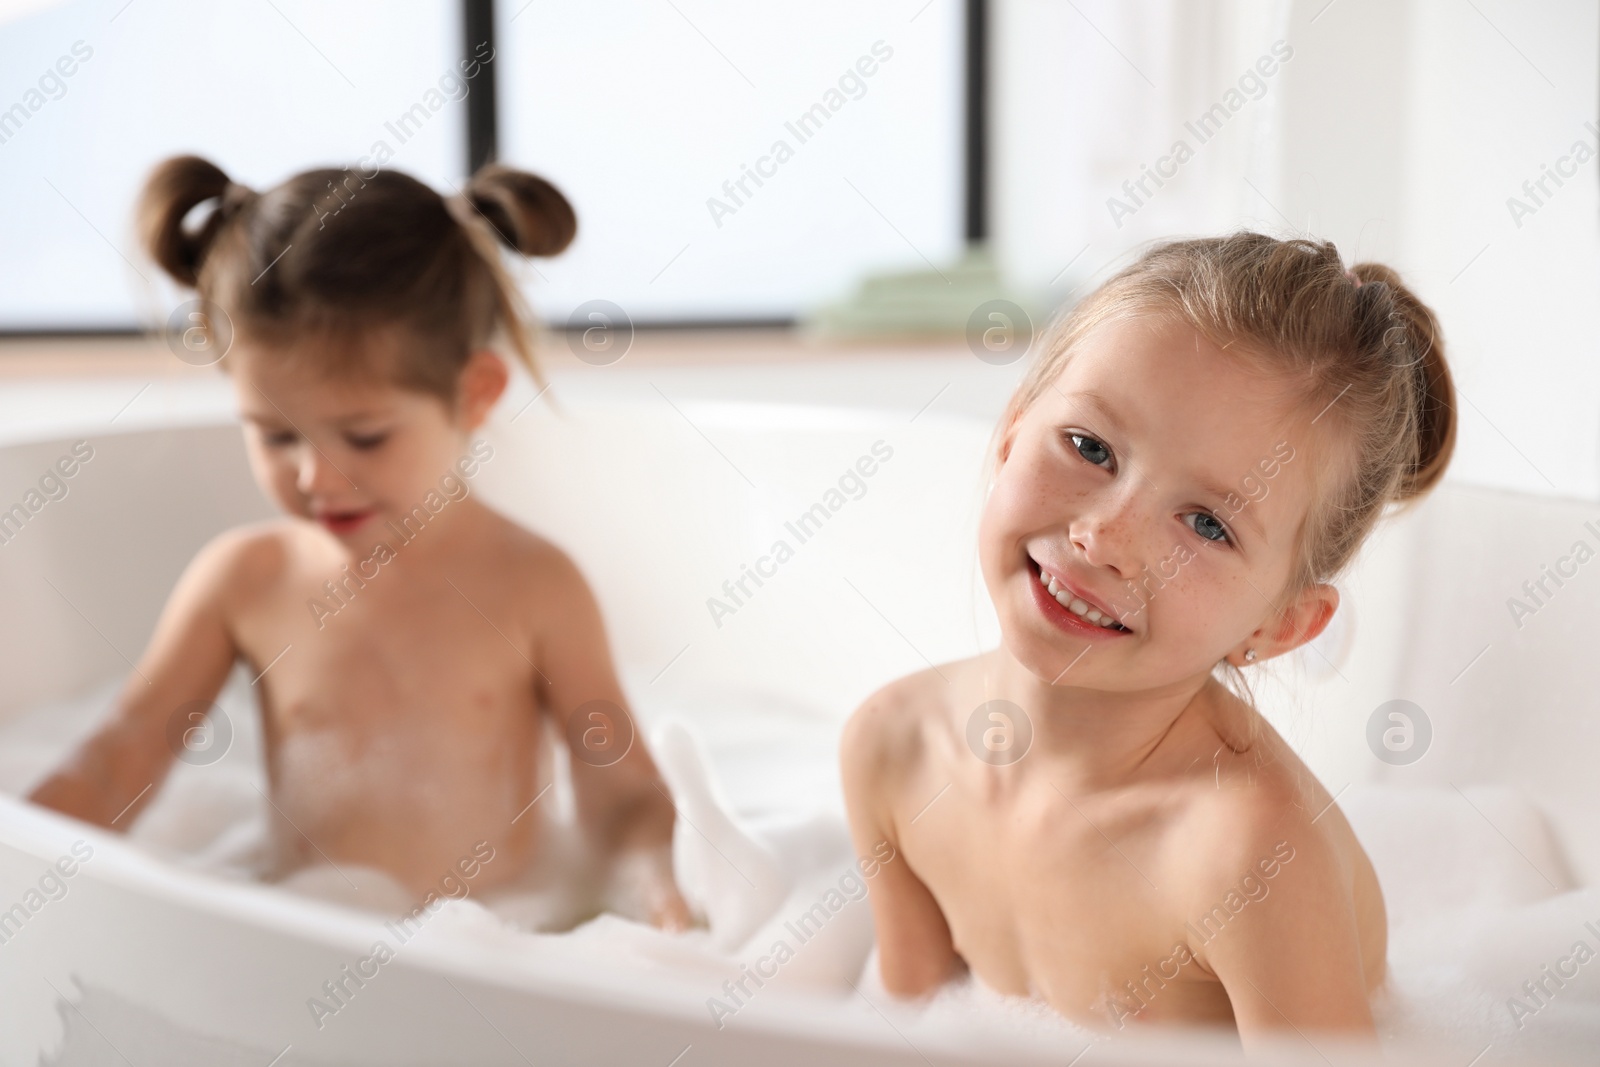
[1076, 606]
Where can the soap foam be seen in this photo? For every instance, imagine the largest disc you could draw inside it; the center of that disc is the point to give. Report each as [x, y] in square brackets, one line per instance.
[1473, 915]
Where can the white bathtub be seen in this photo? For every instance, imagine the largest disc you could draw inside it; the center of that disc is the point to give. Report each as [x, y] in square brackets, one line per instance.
[145, 961]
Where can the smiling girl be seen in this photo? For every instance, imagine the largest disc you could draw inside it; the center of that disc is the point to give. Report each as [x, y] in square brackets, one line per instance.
[1087, 814]
[405, 732]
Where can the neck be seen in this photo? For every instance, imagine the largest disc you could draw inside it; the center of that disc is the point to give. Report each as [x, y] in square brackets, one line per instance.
[414, 543]
[1085, 738]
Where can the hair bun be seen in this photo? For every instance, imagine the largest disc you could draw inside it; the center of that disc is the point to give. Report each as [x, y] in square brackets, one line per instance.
[1418, 341]
[173, 189]
[528, 214]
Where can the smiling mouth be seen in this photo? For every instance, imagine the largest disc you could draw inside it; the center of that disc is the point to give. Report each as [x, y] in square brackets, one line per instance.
[343, 522]
[1068, 611]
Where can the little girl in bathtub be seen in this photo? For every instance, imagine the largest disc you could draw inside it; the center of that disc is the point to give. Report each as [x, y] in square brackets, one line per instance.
[406, 639]
[1087, 815]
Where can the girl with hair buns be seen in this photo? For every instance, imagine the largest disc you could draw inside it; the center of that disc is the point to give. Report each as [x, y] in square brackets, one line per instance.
[1087, 814]
[411, 637]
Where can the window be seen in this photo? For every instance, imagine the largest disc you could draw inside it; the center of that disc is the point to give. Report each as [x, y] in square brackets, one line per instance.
[262, 89]
[728, 162]
[735, 161]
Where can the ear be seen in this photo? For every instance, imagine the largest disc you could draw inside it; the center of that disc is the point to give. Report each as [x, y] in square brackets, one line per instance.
[482, 382]
[1300, 621]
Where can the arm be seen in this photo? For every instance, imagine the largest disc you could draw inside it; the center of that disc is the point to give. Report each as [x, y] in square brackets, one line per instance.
[916, 953]
[115, 773]
[1290, 960]
[623, 805]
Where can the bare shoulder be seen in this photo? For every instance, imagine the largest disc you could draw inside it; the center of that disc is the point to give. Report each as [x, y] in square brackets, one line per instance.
[538, 583]
[239, 562]
[892, 736]
[1232, 830]
[890, 725]
[1262, 850]
[1257, 812]
[518, 553]
[1257, 792]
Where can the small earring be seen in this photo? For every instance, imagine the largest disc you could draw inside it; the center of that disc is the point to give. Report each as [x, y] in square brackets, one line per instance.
[1250, 654]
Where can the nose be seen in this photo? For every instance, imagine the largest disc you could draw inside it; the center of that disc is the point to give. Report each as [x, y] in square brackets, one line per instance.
[316, 475]
[1106, 532]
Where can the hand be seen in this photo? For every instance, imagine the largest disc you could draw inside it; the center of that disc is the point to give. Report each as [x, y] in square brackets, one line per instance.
[641, 885]
[668, 910]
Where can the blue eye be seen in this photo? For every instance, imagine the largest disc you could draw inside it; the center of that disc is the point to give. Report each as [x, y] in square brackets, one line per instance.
[1090, 449]
[1209, 527]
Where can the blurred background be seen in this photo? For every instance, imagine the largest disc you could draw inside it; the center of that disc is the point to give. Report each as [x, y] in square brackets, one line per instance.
[842, 172]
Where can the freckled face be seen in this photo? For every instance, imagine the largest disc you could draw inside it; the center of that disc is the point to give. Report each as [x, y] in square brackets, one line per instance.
[347, 455]
[1171, 503]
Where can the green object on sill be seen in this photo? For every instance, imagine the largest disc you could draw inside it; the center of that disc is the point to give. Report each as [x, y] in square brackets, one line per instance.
[940, 302]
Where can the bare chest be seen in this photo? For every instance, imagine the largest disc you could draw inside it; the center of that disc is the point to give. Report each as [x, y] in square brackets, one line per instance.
[409, 713]
[1067, 902]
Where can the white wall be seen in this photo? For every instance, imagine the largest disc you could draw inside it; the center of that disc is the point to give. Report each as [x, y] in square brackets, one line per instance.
[1398, 128]
[1522, 318]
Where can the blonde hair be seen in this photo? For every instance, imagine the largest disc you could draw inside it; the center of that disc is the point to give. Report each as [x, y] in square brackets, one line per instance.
[1356, 345]
[343, 254]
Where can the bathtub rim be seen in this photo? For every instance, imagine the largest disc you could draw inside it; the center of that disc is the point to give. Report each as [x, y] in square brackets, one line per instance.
[805, 1018]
